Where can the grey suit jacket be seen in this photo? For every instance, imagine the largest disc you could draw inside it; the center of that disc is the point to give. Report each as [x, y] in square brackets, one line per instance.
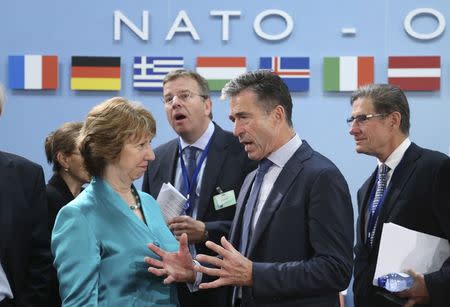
[418, 198]
[301, 247]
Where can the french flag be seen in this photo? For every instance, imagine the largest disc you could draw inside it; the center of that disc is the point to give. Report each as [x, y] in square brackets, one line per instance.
[33, 72]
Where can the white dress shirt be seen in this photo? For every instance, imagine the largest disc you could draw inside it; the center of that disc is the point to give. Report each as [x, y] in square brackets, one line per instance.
[200, 144]
[279, 159]
[392, 162]
[5, 289]
[394, 158]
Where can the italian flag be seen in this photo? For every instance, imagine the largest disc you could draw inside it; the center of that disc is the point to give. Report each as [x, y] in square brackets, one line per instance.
[219, 70]
[347, 73]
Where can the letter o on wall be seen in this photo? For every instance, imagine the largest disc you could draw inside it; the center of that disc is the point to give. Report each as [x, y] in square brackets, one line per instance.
[424, 11]
[272, 37]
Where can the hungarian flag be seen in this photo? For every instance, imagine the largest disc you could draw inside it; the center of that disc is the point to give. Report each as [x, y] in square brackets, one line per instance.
[219, 70]
[415, 73]
[347, 73]
[294, 71]
[33, 72]
[95, 73]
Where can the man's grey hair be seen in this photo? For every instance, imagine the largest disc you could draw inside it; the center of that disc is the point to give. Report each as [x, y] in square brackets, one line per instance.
[386, 98]
[269, 88]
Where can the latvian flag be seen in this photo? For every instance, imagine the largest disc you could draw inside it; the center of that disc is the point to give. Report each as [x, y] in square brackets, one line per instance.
[219, 70]
[415, 73]
[149, 72]
[347, 73]
[293, 70]
[95, 73]
[33, 72]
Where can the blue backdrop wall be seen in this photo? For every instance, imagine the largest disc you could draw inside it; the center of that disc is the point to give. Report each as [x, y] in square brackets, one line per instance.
[87, 28]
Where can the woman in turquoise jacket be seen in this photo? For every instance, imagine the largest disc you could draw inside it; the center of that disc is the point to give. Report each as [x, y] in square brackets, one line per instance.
[100, 239]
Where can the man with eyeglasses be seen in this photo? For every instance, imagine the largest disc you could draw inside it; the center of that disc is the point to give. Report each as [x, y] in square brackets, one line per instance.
[409, 187]
[205, 163]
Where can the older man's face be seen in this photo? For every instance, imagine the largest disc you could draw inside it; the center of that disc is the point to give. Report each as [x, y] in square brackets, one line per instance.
[373, 135]
[256, 130]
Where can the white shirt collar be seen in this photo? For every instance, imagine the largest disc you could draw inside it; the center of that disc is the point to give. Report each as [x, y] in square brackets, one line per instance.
[280, 156]
[396, 156]
[203, 140]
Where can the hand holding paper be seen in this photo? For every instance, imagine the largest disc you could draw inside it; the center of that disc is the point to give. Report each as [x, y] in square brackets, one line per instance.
[171, 201]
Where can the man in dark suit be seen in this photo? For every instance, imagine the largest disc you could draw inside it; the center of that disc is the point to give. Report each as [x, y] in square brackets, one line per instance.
[221, 166]
[416, 195]
[24, 240]
[292, 235]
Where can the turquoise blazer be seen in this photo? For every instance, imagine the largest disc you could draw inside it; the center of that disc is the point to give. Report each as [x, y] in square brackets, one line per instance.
[99, 246]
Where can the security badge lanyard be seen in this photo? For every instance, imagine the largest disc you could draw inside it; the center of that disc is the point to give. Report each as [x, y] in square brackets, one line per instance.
[374, 214]
[190, 184]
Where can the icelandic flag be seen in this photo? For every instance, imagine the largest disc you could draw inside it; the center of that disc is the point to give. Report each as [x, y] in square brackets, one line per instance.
[33, 72]
[294, 71]
[149, 72]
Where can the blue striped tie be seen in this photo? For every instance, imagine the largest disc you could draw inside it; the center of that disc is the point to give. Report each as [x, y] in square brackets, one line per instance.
[191, 163]
[383, 169]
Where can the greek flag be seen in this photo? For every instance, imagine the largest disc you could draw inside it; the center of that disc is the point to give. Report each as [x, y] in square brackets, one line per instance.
[149, 72]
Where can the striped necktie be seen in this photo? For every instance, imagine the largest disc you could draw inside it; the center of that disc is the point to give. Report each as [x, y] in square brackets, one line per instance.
[383, 169]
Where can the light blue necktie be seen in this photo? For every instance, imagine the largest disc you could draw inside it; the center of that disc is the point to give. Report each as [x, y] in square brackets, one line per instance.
[263, 167]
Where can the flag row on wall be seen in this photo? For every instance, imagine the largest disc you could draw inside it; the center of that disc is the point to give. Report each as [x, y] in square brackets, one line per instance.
[343, 73]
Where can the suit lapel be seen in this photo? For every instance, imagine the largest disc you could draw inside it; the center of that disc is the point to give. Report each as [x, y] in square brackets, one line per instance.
[167, 166]
[284, 181]
[111, 201]
[364, 193]
[400, 178]
[235, 231]
[216, 157]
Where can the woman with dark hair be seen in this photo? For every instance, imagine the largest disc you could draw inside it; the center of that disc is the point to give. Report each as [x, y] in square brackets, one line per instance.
[69, 175]
[100, 239]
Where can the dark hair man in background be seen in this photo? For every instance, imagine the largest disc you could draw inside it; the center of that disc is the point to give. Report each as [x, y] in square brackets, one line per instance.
[292, 236]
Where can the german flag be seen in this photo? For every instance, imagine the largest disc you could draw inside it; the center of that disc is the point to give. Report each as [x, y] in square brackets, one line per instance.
[92, 73]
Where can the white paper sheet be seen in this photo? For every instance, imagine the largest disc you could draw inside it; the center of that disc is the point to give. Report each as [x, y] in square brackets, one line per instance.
[402, 248]
[171, 201]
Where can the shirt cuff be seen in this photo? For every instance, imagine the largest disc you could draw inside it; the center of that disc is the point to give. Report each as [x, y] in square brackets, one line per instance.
[193, 287]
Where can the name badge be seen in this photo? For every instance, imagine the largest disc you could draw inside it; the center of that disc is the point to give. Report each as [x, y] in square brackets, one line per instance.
[224, 200]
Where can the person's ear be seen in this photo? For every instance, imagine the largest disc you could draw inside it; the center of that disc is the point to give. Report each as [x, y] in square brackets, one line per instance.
[63, 160]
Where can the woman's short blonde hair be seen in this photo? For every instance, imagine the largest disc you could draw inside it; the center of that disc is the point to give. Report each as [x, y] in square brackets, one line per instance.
[106, 129]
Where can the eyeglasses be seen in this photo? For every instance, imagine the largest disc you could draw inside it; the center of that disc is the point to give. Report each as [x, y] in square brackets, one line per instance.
[361, 119]
[183, 96]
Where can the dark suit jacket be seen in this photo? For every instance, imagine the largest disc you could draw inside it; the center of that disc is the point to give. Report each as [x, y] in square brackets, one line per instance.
[301, 247]
[418, 198]
[227, 165]
[24, 239]
[58, 195]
